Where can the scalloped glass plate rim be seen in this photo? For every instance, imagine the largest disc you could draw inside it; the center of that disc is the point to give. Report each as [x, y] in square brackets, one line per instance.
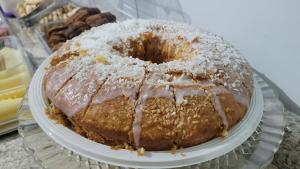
[152, 159]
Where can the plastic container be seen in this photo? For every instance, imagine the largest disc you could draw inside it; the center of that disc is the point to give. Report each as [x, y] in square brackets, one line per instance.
[129, 9]
[124, 9]
[104, 6]
[15, 76]
[51, 11]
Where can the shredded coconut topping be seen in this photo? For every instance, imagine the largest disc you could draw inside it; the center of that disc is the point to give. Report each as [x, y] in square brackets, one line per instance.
[211, 53]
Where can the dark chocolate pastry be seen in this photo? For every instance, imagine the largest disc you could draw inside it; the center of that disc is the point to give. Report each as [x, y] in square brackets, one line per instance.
[110, 17]
[82, 20]
[93, 11]
[56, 46]
[54, 39]
[61, 33]
[82, 14]
[76, 28]
[96, 20]
[78, 16]
[56, 29]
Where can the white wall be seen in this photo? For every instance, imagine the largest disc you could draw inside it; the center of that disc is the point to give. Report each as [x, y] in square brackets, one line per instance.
[267, 32]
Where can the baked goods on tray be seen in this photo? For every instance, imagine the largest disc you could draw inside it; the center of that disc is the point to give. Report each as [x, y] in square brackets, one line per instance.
[148, 84]
[83, 19]
[25, 7]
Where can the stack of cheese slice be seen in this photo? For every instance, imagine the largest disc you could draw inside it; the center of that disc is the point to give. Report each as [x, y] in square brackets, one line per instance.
[14, 78]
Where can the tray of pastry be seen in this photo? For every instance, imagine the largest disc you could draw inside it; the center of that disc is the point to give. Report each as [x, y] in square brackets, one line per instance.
[91, 13]
[55, 22]
[53, 35]
[15, 76]
[27, 7]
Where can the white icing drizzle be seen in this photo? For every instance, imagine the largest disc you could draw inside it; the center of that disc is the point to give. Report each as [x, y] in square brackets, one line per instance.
[182, 79]
[218, 90]
[218, 107]
[109, 93]
[136, 126]
[146, 93]
[206, 83]
[217, 104]
[125, 81]
[180, 93]
[58, 75]
[76, 94]
[242, 99]
[185, 86]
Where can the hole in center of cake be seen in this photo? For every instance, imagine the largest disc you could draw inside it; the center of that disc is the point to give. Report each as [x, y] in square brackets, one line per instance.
[153, 48]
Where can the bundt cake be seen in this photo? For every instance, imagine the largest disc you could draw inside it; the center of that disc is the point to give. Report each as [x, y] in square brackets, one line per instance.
[148, 84]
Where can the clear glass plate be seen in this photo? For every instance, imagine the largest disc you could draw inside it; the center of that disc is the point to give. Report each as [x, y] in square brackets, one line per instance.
[256, 152]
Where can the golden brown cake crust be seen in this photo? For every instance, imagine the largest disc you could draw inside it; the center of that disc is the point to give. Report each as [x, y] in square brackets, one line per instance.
[113, 121]
[148, 84]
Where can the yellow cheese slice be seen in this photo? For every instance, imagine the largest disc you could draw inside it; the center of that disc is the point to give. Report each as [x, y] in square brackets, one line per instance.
[13, 93]
[12, 57]
[12, 71]
[15, 80]
[8, 109]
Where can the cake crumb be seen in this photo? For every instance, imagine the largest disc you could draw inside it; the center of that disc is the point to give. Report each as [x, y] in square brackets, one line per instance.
[181, 152]
[224, 133]
[140, 151]
[173, 150]
[122, 146]
[128, 147]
